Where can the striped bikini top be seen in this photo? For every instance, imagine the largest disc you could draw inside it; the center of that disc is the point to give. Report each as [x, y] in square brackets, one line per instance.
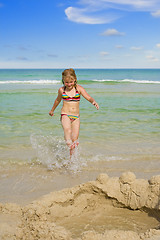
[76, 98]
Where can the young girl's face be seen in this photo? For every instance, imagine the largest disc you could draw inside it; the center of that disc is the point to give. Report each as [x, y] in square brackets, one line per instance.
[69, 82]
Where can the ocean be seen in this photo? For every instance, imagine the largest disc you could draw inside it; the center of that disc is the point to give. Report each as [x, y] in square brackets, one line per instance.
[123, 135]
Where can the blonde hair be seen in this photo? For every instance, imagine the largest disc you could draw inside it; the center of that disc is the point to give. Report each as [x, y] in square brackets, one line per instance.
[69, 73]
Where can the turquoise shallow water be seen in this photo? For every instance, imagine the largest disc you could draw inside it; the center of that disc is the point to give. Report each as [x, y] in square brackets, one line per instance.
[126, 127]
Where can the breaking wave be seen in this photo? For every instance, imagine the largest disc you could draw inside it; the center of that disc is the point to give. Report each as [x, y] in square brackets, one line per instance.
[39, 82]
[128, 80]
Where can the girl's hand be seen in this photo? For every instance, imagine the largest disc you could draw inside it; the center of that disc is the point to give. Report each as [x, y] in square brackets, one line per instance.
[51, 113]
[95, 104]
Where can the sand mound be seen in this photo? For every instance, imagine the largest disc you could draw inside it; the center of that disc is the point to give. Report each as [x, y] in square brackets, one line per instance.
[108, 208]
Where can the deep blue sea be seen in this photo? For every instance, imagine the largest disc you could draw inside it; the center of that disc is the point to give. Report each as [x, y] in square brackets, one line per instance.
[124, 134]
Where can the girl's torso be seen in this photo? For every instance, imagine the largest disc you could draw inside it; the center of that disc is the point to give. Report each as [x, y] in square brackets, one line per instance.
[70, 102]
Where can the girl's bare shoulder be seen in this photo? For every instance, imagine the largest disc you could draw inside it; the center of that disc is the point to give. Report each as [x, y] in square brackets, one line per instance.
[60, 90]
[79, 88]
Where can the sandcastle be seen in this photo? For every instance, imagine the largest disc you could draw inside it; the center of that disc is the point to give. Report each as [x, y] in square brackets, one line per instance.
[107, 208]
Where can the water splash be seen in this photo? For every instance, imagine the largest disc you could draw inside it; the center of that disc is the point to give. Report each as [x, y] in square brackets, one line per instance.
[53, 153]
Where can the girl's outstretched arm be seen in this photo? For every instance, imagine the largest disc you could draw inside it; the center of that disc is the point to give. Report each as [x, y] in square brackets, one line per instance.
[87, 96]
[56, 102]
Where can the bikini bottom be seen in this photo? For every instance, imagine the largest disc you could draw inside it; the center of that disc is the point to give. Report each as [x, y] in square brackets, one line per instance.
[71, 117]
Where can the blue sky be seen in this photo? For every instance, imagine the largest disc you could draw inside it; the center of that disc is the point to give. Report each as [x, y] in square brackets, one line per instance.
[80, 33]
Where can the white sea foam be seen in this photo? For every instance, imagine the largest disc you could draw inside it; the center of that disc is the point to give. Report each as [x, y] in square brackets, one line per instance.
[39, 82]
[104, 80]
[106, 158]
[139, 81]
[127, 80]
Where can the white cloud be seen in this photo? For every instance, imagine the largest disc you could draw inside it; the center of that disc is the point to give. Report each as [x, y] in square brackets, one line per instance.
[86, 13]
[143, 5]
[136, 48]
[104, 54]
[112, 32]
[119, 46]
[156, 14]
[152, 58]
[158, 45]
[79, 15]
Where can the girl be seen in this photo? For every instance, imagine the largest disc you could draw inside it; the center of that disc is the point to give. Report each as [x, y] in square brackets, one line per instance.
[70, 118]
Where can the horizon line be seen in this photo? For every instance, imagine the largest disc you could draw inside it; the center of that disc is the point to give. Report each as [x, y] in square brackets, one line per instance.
[73, 68]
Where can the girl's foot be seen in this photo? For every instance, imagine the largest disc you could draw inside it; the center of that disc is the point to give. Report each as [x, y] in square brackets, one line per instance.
[72, 147]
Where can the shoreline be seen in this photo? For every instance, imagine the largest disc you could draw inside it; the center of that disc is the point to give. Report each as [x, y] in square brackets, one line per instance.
[24, 183]
[68, 214]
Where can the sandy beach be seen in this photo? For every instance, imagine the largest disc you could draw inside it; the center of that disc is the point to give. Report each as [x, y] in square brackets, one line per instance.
[95, 196]
[108, 208]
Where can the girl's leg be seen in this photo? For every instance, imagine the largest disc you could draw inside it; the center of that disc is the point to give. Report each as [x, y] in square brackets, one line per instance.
[75, 126]
[66, 124]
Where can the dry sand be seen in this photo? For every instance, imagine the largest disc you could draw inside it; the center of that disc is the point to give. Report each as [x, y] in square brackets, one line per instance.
[108, 208]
